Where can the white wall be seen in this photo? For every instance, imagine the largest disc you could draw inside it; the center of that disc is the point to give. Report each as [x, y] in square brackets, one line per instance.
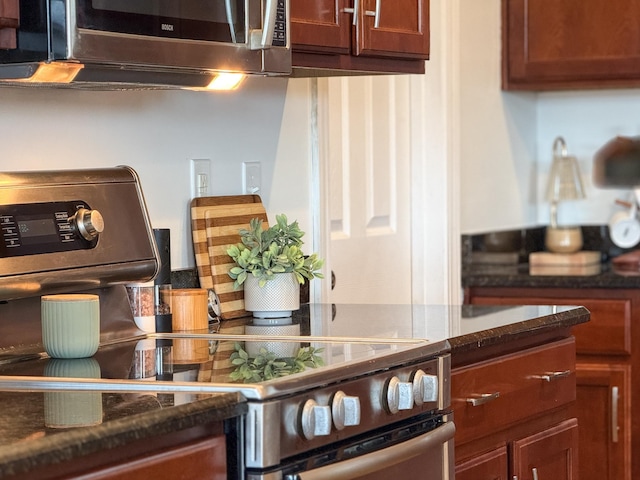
[497, 131]
[158, 132]
[586, 120]
[506, 138]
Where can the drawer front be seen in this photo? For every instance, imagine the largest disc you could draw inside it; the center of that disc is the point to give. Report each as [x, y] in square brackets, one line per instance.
[608, 331]
[495, 394]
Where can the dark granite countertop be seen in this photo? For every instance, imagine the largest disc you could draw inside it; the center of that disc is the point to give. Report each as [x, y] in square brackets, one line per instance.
[519, 275]
[480, 270]
[37, 433]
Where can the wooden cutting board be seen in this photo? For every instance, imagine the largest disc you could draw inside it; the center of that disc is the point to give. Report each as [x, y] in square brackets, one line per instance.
[215, 222]
[564, 259]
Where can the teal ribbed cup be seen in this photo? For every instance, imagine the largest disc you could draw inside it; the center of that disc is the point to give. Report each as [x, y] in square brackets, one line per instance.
[70, 325]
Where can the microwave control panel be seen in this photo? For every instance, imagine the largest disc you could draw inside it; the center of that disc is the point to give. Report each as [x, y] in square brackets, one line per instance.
[280, 29]
[35, 228]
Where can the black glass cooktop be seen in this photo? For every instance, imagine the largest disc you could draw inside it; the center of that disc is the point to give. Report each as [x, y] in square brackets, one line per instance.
[320, 344]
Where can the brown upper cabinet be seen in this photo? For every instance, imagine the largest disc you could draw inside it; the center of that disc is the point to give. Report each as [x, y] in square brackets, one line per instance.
[360, 35]
[570, 44]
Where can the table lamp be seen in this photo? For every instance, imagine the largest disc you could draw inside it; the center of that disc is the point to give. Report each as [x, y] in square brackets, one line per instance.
[565, 183]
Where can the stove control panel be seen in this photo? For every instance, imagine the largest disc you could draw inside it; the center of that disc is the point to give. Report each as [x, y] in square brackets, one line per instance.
[369, 402]
[73, 230]
[35, 228]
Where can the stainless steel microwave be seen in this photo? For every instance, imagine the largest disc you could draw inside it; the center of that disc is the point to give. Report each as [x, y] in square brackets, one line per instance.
[143, 43]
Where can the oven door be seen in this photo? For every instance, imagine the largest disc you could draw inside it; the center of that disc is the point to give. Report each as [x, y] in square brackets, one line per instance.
[429, 452]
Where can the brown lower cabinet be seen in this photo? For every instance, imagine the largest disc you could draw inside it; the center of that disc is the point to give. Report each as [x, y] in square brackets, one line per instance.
[199, 460]
[548, 454]
[513, 415]
[203, 452]
[606, 373]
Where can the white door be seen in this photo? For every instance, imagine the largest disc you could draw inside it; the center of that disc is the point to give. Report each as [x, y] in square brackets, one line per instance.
[364, 124]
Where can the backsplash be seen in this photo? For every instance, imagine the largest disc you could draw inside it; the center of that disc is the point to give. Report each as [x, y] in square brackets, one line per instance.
[188, 278]
[514, 246]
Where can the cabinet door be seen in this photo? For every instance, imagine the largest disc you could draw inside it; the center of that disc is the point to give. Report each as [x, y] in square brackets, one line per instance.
[489, 466]
[570, 43]
[550, 454]
[603, 411]
[380, 28]
[402, 28]
[320, 26]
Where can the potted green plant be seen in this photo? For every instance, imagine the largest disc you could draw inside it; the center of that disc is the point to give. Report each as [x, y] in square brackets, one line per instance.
[270, 266]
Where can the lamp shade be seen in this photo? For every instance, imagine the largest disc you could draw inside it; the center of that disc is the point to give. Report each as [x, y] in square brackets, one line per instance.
[565, 181]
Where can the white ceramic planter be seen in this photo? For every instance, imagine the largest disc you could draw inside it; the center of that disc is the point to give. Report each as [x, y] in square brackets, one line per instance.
[278, 298]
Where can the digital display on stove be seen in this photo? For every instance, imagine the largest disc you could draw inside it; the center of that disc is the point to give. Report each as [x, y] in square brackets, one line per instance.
[38, 228]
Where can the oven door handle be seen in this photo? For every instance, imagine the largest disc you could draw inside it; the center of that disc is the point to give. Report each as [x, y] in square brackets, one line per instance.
[375, 461]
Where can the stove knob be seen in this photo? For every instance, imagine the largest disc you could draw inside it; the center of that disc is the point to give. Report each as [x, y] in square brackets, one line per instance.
[425, 387]
[89, 223]
[399, 395]
[345, 410]
[315, 420]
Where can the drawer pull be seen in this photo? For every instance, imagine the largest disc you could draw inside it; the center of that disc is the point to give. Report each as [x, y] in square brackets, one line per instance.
[551, 376]
[534, 471]
[482, 399]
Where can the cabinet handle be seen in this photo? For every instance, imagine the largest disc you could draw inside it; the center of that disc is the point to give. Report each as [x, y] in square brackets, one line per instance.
[376, 14]
[535, 473]
[482, 399]
[550, 376]
[354, 10]
[615, 396]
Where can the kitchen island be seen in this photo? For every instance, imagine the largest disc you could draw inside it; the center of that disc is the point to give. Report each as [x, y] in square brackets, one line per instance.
[138, 425]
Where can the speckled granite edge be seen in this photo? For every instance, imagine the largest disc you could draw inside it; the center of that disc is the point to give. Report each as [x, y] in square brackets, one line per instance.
[19, 459]
[517, 330]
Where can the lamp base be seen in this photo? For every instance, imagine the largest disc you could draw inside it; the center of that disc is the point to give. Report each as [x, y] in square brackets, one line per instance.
[563, 239]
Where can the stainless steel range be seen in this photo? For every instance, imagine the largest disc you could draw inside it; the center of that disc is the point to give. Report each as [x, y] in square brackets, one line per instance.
[336, 391]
